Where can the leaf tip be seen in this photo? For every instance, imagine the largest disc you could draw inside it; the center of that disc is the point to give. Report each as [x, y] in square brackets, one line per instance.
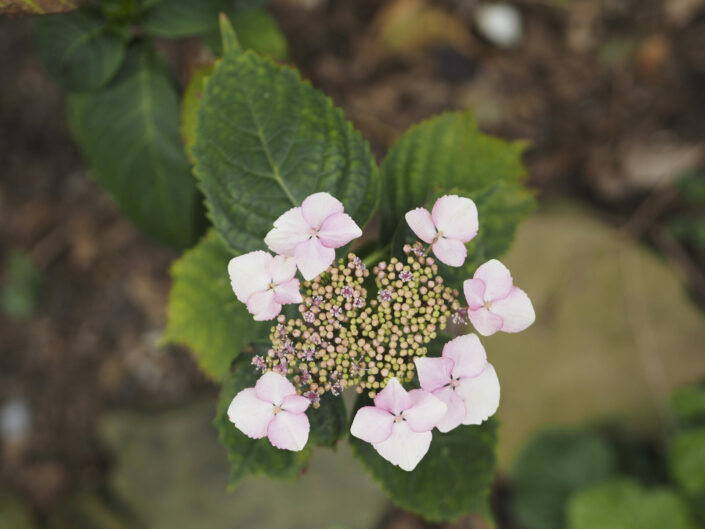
[231, 46]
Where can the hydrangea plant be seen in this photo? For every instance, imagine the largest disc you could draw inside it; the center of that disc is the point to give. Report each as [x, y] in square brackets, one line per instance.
[294, 300]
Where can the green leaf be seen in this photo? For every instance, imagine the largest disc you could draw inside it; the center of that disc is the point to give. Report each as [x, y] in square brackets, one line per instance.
[252, 456]
[453, 478]
[329, 422]
[20, 291]
[129, 134]
[687, 461]
[190, 105]
[448, 154]
[688, 404]
[623, 504]
[266, 140]
[204, 313]
[183, 18]
[256, 30]
[553, 466]
[79, 50]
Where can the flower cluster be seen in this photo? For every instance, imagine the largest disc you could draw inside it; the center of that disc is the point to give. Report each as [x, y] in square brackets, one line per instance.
[369, 329]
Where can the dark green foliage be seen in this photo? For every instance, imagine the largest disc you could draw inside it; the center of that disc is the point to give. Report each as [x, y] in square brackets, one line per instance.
[20, 289]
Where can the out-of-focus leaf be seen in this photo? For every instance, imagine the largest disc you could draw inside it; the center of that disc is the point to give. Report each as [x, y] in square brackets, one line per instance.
[129, 133]
[183, 18]
[37, 7]
[688, 403]
[20, 291]
[687, 461]
[329, 422]
[79, 50]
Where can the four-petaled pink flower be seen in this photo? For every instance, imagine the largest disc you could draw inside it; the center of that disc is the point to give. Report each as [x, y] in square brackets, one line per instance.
[264, 283]
[311, 233]
[452, 223]
[494, 303]
[273, 409]
[463, 379]
[399, 424]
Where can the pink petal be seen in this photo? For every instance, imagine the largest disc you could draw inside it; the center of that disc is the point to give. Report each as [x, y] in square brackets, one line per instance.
[456, 409]
[393, 398]
[318, 207]
[497, 279]
[481, 396]
[338, 230]
[312, 258]
[468, 354]
[484, 321]
[516, 310]
[295, 403]
[288, 292]
[404, 447]
[249, 414]
[433, 373]
[455, 217]
[273, 387]
[281, 268]
[372, 424]
[450, 251]
[474, 293]
[289, 230]
[421, 223]
[289, 431]
[263, 305]
[426, 411]
[248, 274]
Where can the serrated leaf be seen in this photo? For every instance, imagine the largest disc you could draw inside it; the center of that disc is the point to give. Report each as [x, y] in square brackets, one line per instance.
[203, 312]
[553, 466]
[252, 456]
[79, 50]
[190, 105]
[329, 422]
[265, 140]
[687, 461]
[623, 504]
[453, 478]
[183, 18]
[129, 134]
[448, 154]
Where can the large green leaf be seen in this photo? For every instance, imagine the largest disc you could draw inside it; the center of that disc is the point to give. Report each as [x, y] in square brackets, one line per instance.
[129, 133]
[256, 30]
[329, 422]
[688, 404]
[79, 50]
[553, 466]
[182, 18]
[448, 154]
[265, 140]
[203, 311]
[623, 504]
[190, 105]
[687, 461]
[453, 478]
[253, 456]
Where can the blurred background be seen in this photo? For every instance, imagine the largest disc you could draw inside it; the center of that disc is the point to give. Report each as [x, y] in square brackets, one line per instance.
[103, 427]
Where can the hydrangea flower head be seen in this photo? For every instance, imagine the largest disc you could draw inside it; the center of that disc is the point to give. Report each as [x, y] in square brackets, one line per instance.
[463, 379]
[272, 409]
[494, 303]
[399, 424]
[311, 233]
[452, 223]
[264, 283]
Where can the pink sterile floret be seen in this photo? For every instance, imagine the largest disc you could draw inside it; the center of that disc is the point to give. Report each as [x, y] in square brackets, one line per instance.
[452, 223]
[494, 303]
[399, 424]
[311, 233]
[264, 283]
[463, 379]
[273, 409]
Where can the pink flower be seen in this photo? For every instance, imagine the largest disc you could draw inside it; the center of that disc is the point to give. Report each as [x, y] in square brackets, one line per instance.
[272, 408]
[494, 303]
[264, 283]
[311, 233]
[399, 424]
[463, 379]
[452, 223]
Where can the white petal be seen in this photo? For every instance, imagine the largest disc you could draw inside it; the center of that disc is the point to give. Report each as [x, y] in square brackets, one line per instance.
[273, 387]
[450, 251]
[263, 305]
[484, 321]
[516, 310]
[497, 279]
[295, 404]
[338, 230]
[468, 355]
[248, 274]
[313, 258]
[474, 290]
[318, 207]
[288, 292]
[433, 373]
[250, 414]
[426, 411]
[421, 223]
[393, 398]
[281, 268]
[289, 431]
[456, 409]
[289, 230]
[372, 424]
[404, 448]
[455, 217]
[481, 396]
